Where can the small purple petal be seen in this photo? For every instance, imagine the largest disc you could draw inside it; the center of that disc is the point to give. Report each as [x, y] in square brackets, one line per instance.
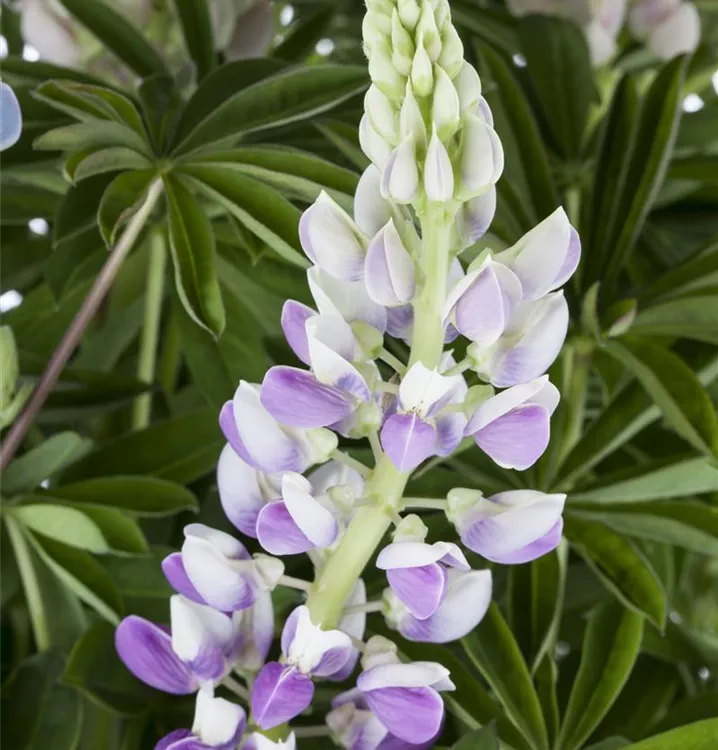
[173, 568]
[296, 398]
[411, 714]
[570, 263]
[278, 533]
[168, 742]
[408, 440]
[480, 312]
[517, 439]
[146, 650]
[400, 322]
[421, 589]
[536, 549]
[294, 318]
[239, 491]
[279, 694]
[450, 432]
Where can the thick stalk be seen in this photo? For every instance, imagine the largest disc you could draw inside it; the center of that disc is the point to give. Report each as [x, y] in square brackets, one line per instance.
[79, 325]
[146, 364]
[386, 486]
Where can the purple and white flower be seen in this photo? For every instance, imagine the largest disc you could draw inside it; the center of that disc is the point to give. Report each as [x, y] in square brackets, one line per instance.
[331, 240]
[263, 443]
[528, 346]
[418, 572]
[10, 117]
[222, 571]
[545, 258]
[218, 725]
[514, 426]
[389, 272]
[200, 647]
[298, 521]
[481, 304]
[404, 697]
[509, 528]
[283, 690]
[466, 599]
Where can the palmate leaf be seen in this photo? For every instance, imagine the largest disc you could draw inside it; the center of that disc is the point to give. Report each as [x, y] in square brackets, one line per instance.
[122, 198]
[694, 317]
[257, 206]
[288, 97]
[66, 525]
[698, 736]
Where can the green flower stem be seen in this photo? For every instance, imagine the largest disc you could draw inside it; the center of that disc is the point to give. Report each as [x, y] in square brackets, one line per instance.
[151, 330]
[580, 357]
[385, 487]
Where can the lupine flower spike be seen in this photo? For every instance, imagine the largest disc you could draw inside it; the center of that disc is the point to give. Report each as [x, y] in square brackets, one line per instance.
[392, 269]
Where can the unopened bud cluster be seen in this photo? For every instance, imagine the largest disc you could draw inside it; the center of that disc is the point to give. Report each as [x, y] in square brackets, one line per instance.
[427, 127]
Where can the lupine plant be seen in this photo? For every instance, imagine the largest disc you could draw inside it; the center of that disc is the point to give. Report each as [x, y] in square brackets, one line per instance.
[391, 269]
[359, 389]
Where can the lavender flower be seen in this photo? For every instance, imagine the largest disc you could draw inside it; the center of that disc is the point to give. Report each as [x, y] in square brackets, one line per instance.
[390, 270]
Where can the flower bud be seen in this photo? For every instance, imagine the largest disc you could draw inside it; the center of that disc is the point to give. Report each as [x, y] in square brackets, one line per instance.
[389, 270]
[411, 120]
[401, 175]
[402, 45]
[438, 172]
[409, 12]
[445, 106]
[677, 34]
[422, 74]
[475, 217]
[382, 115]
[451, 58]
[10, 117]
[332, 240]
[383, 72]
[482, 156]
[512, 527]
[372, 144]
[375, 29]
[371, 211]
[427, 32]
[468, 87]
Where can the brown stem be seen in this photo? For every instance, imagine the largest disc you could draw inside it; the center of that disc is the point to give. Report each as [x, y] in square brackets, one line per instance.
[77, 328]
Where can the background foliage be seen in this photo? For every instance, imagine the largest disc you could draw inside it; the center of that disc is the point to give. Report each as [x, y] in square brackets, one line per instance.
[609, 641]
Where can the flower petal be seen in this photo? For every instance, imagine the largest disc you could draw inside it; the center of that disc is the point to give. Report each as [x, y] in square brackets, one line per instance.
[296, 398]
[279, 694]
[146, 650]
[278, 533]
[476, 216]
[10, 117]
[548, 542]
[425, 391]
[420, 589]
[219, 723]
[200, 637]
[408, 440]
[173, 568]
[371, 211]
[331, 240]
[314, 520]
[518, 439]
[294, 318]
[400, 181]
[467, 599]
[346, 298]
[411, 714]
[253, 633]
[389, 270]
[239, 491]
[438, 171]
[171, 741]
[255, 435]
